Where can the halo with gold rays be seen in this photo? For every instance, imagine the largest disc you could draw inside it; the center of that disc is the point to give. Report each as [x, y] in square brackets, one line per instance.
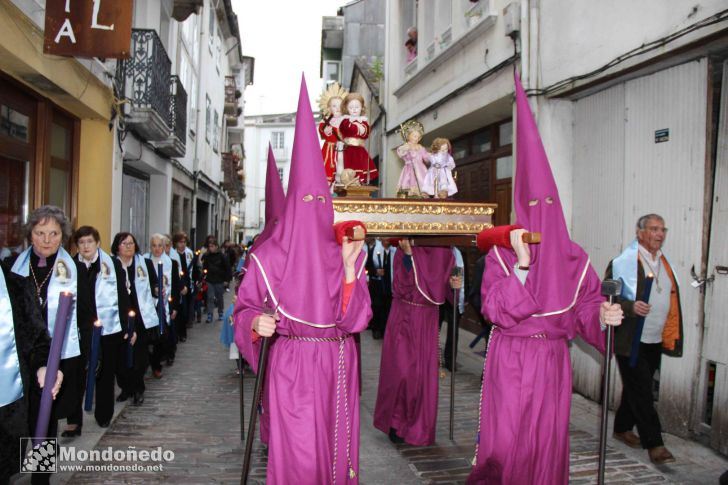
[333, 91]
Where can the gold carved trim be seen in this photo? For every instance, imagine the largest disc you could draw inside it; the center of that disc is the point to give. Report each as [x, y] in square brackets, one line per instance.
[396, 206]
[426, 227]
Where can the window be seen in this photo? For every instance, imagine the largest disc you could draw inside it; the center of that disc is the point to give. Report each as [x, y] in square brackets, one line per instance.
[280, 174]
[332, 72]
[277, 140]
[216, 133]
[208, 118]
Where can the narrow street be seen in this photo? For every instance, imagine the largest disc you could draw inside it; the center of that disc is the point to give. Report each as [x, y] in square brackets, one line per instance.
[193, 411]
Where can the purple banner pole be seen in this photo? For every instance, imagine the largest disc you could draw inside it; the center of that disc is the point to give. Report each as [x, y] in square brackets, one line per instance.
[92, 363]
[129, 346]
[640, 323]
[160, 299]
[65, 300]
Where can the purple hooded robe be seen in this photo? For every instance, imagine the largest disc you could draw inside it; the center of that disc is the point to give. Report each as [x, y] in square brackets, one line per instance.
[274, 201]
[312, 376]
[408, 387]
[523, 432]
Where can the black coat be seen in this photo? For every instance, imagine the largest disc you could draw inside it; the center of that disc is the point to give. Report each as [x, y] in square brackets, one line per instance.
[33, 344]
[217, 266]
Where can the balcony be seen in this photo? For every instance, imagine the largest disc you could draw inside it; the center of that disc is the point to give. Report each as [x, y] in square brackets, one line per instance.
[144, 81]
[176, 144]
[232, 94]
[233, 176]
[181, 9]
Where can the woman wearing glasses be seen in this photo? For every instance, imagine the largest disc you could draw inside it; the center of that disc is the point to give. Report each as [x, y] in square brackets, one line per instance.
[140, 284]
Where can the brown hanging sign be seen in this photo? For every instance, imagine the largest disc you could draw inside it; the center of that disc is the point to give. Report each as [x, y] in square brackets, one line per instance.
[88, 28]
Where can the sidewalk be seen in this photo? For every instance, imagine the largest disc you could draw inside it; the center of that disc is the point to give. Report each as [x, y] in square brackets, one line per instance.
[193, 410]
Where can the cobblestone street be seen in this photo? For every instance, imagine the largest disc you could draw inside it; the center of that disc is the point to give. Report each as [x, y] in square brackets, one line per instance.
[193, 411]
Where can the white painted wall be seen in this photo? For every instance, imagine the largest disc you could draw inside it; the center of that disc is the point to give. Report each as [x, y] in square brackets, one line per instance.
[577, 37]
[620, 173]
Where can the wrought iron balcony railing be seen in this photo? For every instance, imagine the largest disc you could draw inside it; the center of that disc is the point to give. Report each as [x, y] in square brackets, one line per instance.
[176, 143]
[144, 80]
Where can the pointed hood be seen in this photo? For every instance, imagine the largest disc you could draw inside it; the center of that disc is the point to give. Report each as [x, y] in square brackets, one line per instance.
[274, 197]
[274, 201]
[301, 260]
[557, 264]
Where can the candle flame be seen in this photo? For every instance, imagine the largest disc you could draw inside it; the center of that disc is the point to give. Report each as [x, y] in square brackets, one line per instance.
[170, 299]
[650, 275]
[132, 314]
[97, 323]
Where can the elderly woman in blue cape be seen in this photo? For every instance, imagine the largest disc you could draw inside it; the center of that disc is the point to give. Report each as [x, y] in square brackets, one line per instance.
[50, 270]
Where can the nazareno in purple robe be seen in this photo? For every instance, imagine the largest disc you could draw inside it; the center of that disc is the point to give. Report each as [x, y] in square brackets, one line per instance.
[408, 387]
[523, 431]
[312, 377]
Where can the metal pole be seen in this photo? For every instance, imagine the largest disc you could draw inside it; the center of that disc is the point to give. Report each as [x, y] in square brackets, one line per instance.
[242, 399]
[454, 351]
[611, 289]
[453, 361]
[605, 404]
[259, 378]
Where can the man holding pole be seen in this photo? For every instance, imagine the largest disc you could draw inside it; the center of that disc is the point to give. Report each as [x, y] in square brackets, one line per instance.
[652, 326]
[538, 299]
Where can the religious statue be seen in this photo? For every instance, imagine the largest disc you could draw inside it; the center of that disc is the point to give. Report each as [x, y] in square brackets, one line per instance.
[439, 182]
[354, 129]
[413, 154]
[330, 105]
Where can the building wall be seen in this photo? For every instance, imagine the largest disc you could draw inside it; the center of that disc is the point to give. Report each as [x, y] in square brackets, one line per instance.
[462, 87]
[569, 45]
[77, 87]
[363, 34]
[258, 134]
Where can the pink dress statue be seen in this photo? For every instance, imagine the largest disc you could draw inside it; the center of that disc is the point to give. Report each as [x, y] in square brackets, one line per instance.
[413, 174]
[408, 378]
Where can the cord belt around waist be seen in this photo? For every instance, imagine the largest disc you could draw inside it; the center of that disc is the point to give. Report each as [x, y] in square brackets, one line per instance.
[417, 304]
[354, 142]
[319, 339]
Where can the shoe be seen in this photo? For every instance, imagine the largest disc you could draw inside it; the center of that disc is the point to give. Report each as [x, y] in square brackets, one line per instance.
[393, 437]
[138, 398]
[219, 317]
[170, 362]
[122, 397]
[628, 438]
[157, 374]
[72, 433]
[104, 424]
[659, 455]
[199, 320]
[209, 318]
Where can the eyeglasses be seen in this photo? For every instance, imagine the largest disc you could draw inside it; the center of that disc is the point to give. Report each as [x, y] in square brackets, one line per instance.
[656, 229]
[127, 243]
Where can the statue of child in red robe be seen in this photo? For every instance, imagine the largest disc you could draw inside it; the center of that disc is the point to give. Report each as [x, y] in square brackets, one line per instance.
[354, 129]
[330, 103]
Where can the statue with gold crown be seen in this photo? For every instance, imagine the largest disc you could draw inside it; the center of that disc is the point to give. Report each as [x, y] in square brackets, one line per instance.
[330, 105]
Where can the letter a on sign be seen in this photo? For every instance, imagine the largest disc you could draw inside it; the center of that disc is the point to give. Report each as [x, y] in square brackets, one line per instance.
[88, 28]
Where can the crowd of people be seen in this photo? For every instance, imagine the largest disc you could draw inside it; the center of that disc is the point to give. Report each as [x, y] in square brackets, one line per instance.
[142, 304]
[307, 291]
